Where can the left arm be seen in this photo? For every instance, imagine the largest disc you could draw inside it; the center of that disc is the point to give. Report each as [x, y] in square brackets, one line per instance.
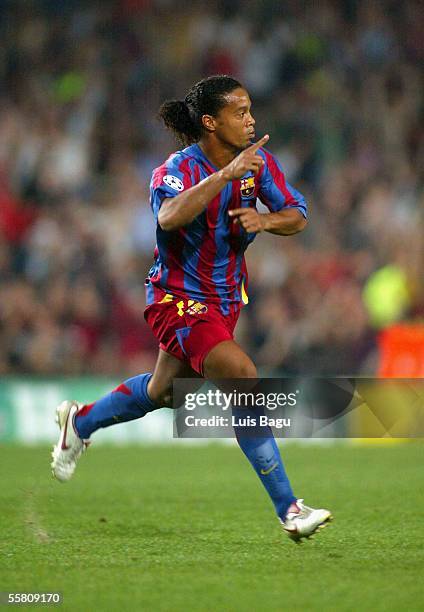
[283, 223]
[287, 206]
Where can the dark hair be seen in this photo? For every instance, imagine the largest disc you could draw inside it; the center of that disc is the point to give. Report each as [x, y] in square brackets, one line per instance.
[207, 97]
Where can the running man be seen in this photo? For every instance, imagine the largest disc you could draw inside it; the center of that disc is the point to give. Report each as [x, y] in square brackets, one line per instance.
[204, 202]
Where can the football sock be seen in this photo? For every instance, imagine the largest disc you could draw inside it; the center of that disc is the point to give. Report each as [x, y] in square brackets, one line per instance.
[127, 402]
[259, 446]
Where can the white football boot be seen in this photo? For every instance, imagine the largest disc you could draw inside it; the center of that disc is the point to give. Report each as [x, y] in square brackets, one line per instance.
[70, 446]
[305, 522]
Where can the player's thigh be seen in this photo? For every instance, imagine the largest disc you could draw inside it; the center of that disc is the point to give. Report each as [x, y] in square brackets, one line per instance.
[166, 369]
[228, 360]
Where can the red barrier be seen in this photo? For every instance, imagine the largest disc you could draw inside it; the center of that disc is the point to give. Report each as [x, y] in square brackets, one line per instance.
[402, 351]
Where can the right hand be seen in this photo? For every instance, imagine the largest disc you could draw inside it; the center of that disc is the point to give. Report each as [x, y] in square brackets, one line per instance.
[246, 161]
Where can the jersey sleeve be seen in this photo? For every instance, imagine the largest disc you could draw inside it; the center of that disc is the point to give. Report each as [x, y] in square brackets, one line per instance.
[275, 192]
[170, 179]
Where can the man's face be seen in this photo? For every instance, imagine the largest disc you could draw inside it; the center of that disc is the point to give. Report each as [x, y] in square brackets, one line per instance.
[234, 124]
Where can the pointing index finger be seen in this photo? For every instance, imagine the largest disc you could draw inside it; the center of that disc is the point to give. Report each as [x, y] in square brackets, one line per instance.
[257, 145]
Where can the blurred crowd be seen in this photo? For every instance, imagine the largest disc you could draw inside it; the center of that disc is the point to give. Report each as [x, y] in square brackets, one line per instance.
[336, 84]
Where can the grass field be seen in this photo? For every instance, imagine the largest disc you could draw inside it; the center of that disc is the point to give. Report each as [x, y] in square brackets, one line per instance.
[191, 529]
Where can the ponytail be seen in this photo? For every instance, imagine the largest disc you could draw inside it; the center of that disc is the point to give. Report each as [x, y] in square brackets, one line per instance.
[176, 116]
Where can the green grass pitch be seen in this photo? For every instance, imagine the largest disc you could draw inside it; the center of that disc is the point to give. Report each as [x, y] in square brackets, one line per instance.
[170, 528]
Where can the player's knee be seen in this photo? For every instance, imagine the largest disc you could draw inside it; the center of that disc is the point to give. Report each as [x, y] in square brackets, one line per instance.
[249, 371]
[244, 369]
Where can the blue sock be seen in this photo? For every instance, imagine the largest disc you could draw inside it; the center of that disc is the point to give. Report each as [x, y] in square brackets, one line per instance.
[259, 446]
[127, 402]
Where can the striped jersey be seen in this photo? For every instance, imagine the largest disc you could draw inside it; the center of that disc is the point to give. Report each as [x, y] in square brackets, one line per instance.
[204, 260]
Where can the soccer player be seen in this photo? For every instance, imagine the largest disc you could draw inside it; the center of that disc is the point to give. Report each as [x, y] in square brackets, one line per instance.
[203, 199]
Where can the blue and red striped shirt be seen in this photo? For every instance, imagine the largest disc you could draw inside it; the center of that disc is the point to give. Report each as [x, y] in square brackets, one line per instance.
[205, 260]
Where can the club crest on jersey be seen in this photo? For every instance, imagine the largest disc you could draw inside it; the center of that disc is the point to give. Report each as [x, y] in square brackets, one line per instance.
[174, 182]
[196, 308]
[247, 186]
